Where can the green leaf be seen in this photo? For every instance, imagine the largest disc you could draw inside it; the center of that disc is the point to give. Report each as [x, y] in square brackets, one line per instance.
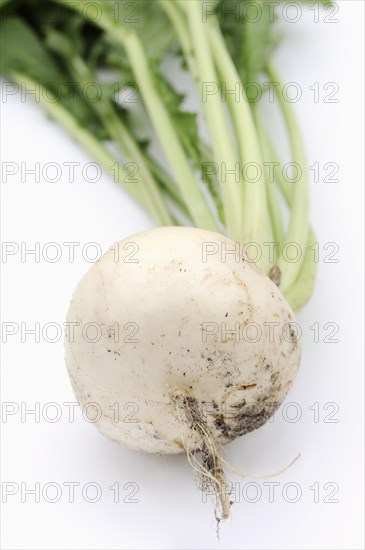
[249, 41]
[144, 17]
[149, 20]
[250, 35]
[23, 52]
[186, 126]
[258, 43]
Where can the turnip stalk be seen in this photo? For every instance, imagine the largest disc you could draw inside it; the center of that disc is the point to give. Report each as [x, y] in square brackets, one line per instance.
[255, 223]
[189, 187]
[273, 204]
[177, 18]
[119, 133]
[188, 184]
[168, 187]
[254, 212]
[87, 140]
[298, 226]
[301, 290]
[224, 154]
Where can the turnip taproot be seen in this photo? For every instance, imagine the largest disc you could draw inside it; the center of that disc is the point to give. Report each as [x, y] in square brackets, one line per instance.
[188, 335]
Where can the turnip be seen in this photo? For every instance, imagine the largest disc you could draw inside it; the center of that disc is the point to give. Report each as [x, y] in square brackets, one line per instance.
[195, 340]
[190, 334]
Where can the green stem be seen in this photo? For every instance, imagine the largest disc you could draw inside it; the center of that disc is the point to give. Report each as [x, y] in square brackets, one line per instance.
[301, 290]
[223, 149]
[201, 160]
[178, 20]
[129, 148]
[273, 204]
[57, 112]
[190, 189]
[167, 185]
[188, 184]
[298, 226]
[254, 208]
[154, 175]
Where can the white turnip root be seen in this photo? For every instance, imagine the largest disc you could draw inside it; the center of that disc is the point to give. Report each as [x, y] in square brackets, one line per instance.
[194, 345]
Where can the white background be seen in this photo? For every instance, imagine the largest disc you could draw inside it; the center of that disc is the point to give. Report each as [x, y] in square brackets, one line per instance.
[170, 512]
